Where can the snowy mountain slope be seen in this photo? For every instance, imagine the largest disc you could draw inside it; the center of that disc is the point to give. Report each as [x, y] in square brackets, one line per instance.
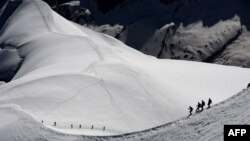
[72, 75]
[202, 29]
[205, 126]
[18, 125]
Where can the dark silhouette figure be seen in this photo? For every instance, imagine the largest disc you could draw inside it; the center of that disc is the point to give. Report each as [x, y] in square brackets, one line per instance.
[103, 128]
[92, 127]
[198, 107]
[42, 121]
[209, 103]
[202, 105]
[71, 125]
[80, 126]
[248, 85]
[54, 123]
[190, 110]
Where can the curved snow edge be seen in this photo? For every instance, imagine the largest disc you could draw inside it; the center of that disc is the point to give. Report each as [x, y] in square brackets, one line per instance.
[24, 116]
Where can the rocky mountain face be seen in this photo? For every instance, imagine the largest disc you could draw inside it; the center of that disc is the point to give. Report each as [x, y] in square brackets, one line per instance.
[214, 31]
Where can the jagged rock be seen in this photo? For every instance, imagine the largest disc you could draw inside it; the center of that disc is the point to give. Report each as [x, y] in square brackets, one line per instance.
[204, 30]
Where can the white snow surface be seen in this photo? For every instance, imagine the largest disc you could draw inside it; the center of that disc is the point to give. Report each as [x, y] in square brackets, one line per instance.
[205, 126]
[73, 75]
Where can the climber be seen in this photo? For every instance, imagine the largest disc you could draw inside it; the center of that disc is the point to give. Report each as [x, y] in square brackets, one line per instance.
[190, 110]
[209, 103]
[202, 105]
[248, 85]
[198, 107]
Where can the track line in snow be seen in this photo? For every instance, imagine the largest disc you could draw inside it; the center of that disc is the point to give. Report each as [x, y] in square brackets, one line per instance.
[70, 98]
